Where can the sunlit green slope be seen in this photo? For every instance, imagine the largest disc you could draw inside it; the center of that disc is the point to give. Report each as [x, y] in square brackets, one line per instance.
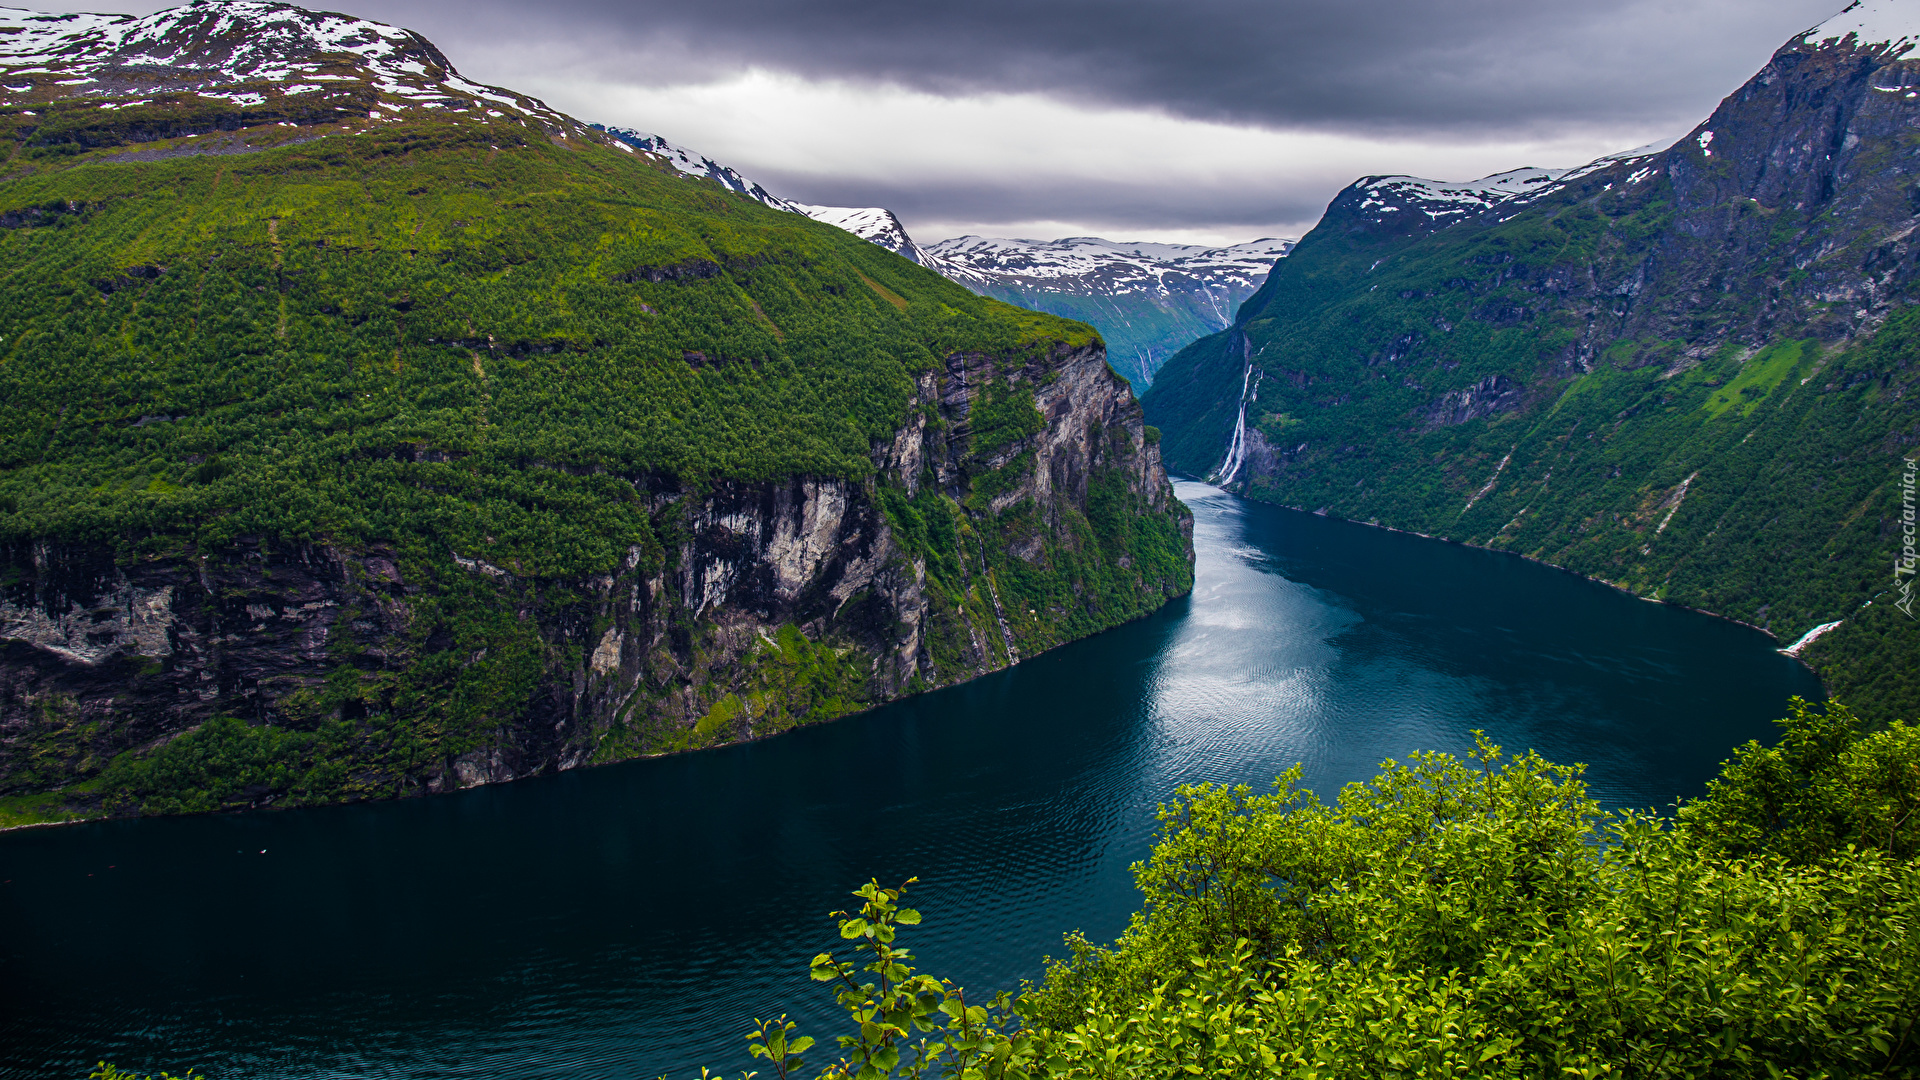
[431, 326]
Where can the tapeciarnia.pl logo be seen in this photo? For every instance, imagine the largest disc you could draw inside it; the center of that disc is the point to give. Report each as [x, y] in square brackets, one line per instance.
[1903, 563]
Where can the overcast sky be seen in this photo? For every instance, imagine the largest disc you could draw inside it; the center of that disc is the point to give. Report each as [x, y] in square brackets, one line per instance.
[1192, 121]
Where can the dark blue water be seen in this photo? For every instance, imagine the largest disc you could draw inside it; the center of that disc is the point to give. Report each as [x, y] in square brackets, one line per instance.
[629, 921]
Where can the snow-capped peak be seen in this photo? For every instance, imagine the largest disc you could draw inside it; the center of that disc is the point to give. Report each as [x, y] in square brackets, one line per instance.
[243, 51]
[1893, 23]
[1439, 199]
[1092, 266]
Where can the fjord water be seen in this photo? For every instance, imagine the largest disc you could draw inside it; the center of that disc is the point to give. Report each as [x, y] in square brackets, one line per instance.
[629, 921]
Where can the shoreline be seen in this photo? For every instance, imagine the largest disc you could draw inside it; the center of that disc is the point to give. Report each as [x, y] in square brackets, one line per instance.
[1322, 512]
[654, 756]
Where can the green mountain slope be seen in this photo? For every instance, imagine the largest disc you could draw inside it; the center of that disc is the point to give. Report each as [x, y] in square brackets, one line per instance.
[302, 320]
[372, 451]
[1690, 372]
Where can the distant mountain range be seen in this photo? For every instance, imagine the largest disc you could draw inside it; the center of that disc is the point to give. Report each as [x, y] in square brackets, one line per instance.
[1147, 300]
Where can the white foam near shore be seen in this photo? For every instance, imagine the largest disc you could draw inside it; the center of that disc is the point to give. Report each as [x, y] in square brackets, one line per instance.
[1809, 638]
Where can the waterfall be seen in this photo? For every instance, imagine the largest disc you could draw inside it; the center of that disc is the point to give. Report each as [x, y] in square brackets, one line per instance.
[1006, 635]
[1237, 446]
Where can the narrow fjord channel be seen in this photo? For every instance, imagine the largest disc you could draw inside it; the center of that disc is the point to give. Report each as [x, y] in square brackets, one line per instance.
[630, 921]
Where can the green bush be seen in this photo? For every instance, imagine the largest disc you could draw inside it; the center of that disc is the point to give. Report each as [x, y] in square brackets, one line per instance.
[1478, 918]
[208, 768]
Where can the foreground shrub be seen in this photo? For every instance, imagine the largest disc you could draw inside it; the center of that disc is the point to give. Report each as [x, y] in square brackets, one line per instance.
[1477, 918]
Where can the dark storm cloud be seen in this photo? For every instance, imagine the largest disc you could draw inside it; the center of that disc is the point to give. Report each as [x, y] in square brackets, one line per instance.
[1372, 65]
[1464, 86]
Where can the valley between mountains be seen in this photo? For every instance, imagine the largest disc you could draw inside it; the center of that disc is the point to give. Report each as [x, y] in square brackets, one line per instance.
[1687, 370]
[370, 433]
[446, 438]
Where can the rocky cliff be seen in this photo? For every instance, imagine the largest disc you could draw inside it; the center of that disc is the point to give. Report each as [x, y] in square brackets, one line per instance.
[370, 445]
[766, 606]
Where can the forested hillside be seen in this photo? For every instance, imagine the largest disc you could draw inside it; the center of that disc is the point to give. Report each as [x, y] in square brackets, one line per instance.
[1689, 372]
[357, 452]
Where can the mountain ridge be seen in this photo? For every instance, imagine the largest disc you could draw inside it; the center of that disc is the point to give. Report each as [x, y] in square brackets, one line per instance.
[1664, 369]
[1148, 299]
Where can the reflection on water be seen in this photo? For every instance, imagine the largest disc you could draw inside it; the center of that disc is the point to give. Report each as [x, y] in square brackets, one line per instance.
[628, 921]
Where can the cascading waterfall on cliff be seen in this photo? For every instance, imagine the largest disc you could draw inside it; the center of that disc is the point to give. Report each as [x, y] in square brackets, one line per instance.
[1237, 446]
[999, 613]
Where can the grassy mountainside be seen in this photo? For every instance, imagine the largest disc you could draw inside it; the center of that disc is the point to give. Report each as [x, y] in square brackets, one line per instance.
[354, 452]
[458, 329]
[1689, 373]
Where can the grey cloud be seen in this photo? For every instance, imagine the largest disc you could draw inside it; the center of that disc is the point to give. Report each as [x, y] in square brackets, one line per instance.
[1117, 206]
[1372, 65]
[1481, 71]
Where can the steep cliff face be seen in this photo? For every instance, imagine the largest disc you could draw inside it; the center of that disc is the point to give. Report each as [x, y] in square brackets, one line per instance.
[366, 431]
[765, 606]
[1687, 370]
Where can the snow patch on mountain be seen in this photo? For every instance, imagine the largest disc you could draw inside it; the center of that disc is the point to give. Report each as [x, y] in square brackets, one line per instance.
[1091, 266]
[874, 223]
[1447, 198]
[35, 37]
[1443, 201]
[1634, 154]
[1894, 23]
[690, 163]
[243, 51]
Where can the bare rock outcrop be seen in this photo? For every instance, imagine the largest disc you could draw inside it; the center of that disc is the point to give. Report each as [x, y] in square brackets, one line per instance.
[765, 605]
